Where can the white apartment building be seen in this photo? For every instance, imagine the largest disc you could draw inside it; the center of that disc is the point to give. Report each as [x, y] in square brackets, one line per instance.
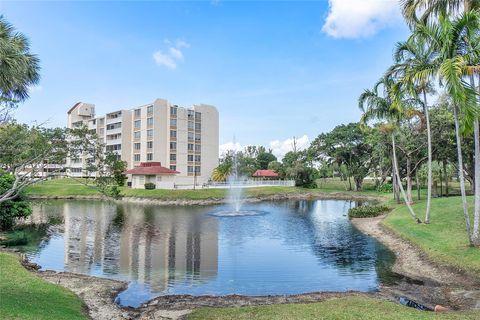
[184, 141]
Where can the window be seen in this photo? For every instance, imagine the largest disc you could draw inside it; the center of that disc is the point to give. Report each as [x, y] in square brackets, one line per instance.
[114, 115]
[115, 125]
[190, 136]
[150, 121]
[173, 122]
[150, 109]
[136, 146]
[190, 146]
[190, 169]
[198, 148]
[173, 157]
[114, 147]
[173, 111]
[138, 112]
[190, 114]
[114, 136]
[190, 125]
[173, 146]
[198, 137]
[173, 168]
[198, 126]
[136, 135]
[198, 116]
[76, 170]
[101, 131]
[102, 121]
[190, 157]
[149, 156]
[136, 157]
[137, 124]
[149, 144]
[173, 134]
[197, 169]
[150, 133]
[94, 121]
[197, 159]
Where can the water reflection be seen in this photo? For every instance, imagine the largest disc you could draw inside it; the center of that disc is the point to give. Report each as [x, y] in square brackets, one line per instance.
[300, 246]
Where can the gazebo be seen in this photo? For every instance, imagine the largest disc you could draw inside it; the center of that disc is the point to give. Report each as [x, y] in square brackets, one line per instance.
[266, 174]
[153, 172]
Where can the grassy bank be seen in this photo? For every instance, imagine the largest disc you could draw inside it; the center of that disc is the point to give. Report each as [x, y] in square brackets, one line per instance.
[73, 187]
[343, 308]
[444, 240]
[25, 296]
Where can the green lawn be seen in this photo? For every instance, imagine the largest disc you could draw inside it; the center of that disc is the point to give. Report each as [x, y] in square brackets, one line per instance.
[444, 240]
[25, 296]
[354, 308]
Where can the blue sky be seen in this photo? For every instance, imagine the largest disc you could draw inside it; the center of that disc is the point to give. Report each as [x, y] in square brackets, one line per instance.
[273, 69]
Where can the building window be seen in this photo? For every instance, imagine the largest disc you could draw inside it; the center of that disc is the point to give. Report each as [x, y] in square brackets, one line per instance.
[197, 169]
[190, 114]
[149, 144]
[150, 121]
[136, 146]
[198, 126]
[190, 146]
[101, 131]
[173, 168]
[114, 147]
[76, 170]
[190, 157]
[198, 148]
[190, 125]
[136, 135]
[102, 121]
[190, 136]
[150, 133]
[197, 158]
[198, 137]
[173, 134]
[136, 157]
[150, 109]
[137, 124]
[115, 125]
[114, 136]
[149, 156]
[198, 116]
[190, 169]
[173, 122]
[173, 157]
[173, 111]
[138, 112]
[173, 146]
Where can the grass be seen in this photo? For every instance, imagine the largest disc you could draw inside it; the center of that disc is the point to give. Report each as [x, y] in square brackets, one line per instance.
[342, 308]
[444, 240]
[74, 187]
[25, 296]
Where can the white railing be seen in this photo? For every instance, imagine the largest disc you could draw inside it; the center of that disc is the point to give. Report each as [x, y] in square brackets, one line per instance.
[251, 184]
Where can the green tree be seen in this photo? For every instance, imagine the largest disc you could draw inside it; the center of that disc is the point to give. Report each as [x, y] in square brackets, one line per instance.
[14, 208]
[264, 158]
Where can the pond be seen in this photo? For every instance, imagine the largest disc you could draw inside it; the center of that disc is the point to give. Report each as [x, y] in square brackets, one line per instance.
[292, 247]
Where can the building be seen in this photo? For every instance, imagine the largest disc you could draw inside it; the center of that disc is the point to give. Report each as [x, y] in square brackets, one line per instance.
[184, 140]
[265, 174]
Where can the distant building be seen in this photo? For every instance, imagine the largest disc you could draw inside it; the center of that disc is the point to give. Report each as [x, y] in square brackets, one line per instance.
[265, 174]
[184, 140]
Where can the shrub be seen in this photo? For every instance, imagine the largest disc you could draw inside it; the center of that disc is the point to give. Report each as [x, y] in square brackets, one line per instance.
[367, 211]
[11, 210]
[149, 186]
[385, 188]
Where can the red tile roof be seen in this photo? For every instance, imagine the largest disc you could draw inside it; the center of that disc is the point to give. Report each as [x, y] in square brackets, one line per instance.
[151, 168]
[265, 173]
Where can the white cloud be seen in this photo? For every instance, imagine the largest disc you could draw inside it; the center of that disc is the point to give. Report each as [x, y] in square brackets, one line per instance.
[280, 148]
[359, 18]
[230, 146]
[169, 58]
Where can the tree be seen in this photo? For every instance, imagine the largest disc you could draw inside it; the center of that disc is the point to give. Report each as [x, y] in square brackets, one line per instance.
[346, 145]
[264, 158]
[14, 208]
[303, 175]
[222, 171]
[19, 69]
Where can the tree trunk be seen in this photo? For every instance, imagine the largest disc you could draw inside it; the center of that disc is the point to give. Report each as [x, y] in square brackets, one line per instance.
[400, 183]
[396, 192]
[460, 174]
[476, 216]
[429, 147]
[418, 184]
[445, 176]
[409, 183]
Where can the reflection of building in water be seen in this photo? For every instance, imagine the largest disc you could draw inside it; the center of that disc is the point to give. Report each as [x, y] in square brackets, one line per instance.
[140, 243]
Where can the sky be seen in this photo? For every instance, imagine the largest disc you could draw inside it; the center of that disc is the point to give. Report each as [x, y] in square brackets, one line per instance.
[274, 70]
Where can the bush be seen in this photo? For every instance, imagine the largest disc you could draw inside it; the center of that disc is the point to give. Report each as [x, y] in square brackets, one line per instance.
[385, 188]
[367, 211]
[149, 186]
[11, 210]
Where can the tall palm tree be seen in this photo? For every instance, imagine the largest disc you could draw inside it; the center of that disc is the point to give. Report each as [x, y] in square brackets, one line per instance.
[416, 11]
[387, 105]
[410, 57]
[451, 39]
[19, 69]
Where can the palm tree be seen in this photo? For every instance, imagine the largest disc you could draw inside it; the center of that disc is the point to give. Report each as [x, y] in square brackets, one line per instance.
[222, 172]
[416, 11]
[451, 40]
[413, 56]
[19, 69]
[387, 105]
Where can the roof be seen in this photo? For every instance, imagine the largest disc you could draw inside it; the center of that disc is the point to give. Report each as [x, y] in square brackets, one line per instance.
[151, 168]
[265, 173]
[73, 108]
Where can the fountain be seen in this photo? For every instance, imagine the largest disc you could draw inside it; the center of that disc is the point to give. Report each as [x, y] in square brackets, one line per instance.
[235, 193]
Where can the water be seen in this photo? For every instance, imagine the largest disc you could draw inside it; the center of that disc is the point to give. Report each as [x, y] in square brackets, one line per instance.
[294, 247]
[235, 191]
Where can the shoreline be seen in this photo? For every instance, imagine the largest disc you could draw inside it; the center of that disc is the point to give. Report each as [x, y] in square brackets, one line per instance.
[423, 280]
